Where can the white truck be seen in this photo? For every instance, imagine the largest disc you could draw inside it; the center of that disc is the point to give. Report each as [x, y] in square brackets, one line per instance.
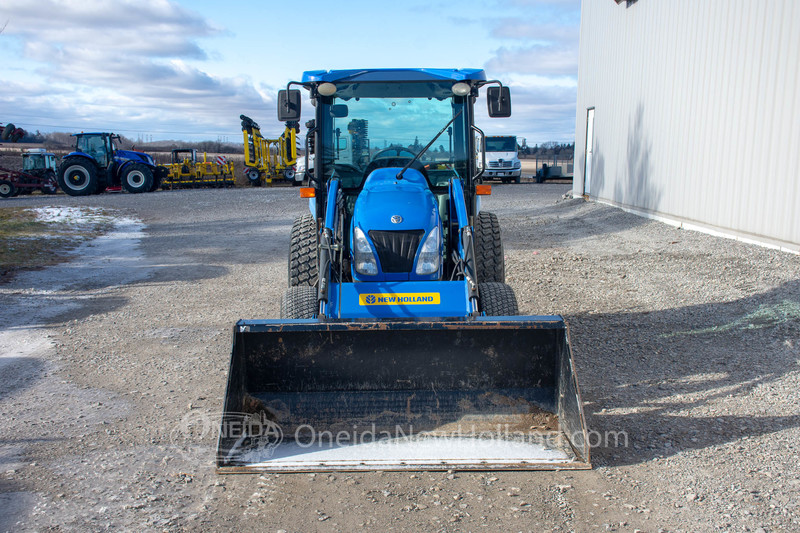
[502, 159]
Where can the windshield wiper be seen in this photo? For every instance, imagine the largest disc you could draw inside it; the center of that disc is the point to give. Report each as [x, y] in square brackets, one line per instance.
[416, 157]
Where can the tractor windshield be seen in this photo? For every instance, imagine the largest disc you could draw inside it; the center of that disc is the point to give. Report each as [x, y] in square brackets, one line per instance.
[369, 122]
[33, 162]
[95, 146]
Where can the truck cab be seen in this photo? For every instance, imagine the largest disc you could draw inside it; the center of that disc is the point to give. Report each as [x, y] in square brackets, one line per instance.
[502, 159]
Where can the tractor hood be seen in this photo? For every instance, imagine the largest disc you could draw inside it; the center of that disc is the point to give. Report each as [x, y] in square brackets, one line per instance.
[136, 157]
[384, 198]
[396, 216]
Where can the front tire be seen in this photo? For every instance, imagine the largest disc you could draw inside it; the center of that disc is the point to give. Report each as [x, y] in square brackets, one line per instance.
[78, 176]
[138, 178]
[303, 252]
[497, 299]
[489, 259]
[7, 189]
[299, 302]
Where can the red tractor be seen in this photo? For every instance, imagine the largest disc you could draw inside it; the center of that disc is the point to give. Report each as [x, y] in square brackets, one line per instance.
[38, 173]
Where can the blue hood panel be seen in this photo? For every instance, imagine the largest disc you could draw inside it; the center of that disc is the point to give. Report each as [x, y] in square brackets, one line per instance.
[384, 196]
[129, 155]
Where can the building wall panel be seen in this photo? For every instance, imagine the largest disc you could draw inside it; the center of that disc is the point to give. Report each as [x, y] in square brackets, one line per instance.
[696, 112]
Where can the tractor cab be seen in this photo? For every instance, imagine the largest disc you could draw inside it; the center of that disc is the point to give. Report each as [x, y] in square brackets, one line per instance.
[37, 160]
[99, 146]
[394, 149]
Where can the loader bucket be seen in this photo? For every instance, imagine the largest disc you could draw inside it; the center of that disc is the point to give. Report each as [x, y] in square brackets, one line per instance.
[489, 394]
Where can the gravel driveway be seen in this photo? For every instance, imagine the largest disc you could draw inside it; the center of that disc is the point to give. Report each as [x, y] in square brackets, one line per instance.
[687, 348]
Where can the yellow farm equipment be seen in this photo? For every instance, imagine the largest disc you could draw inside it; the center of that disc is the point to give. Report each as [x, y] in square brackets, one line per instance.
[270, 160]
[185, 171]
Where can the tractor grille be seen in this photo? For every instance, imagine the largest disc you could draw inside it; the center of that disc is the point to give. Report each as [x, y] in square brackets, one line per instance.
[500, 164]
[396, 249]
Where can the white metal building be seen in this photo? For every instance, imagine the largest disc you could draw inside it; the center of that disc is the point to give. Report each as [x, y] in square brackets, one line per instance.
[689, 111]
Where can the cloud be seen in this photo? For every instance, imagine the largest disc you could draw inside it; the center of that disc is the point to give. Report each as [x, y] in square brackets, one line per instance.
[129, 60]
[553, 34]
[537, 59]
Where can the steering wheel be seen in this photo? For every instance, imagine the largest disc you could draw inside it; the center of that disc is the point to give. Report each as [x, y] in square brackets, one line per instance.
[394, 157]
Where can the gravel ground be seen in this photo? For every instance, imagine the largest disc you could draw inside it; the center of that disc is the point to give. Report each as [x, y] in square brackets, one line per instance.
[686, 343]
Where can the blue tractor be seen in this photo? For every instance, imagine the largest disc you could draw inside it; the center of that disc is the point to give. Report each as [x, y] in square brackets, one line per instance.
[97, 165]
[397, 321]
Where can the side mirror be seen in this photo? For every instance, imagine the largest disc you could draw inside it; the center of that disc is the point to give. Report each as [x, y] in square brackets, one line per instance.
[288, 105]
[339, 110]
[498, 100]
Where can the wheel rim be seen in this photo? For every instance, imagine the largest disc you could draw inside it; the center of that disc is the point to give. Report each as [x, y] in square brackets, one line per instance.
[5, 189]
[252, 175]
[135, 178]
[77, 178]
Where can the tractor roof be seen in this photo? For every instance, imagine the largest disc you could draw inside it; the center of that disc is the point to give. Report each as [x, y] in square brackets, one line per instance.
[394, 74]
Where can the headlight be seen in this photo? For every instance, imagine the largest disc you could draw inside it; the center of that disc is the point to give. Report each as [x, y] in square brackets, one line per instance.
[429, 256]
[517, 164]
[362, 254]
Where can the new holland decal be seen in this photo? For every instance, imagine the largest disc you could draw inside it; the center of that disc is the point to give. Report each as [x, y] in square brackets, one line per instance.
[408, 298]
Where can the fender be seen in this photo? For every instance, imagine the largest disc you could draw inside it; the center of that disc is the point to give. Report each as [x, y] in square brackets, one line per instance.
[120, 165]
[81, 154]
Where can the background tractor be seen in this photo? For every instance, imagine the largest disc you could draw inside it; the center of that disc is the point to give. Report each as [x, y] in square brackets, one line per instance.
[38, 173]
[97, 165]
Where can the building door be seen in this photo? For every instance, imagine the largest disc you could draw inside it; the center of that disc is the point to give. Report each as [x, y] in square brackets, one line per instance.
[587, 166]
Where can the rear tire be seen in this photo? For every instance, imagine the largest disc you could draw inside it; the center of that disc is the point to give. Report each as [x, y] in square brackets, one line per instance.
[78, 176]
[51, 187]
[7, 189]
[489, 260]
[138, 178]
[497, 299]
[303, 252]
[299, 302]
[6, 134]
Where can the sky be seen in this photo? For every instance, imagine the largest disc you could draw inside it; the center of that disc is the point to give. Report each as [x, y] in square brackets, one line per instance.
[180, 69]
